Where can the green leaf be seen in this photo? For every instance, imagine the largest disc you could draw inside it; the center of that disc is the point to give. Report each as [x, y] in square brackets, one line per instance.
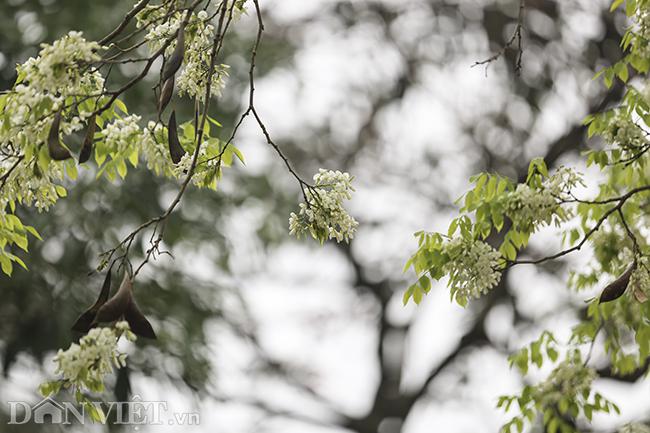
[43, 158]
[34, 233]
[622, 71]
[563, 406]
[552, 354]
[508, 250]
[71, 169]
[19, 261]
[240, 156]
[503, 184]
[497, 219]
[480, 181]
[452, 227]
[214, 122]
[407, 265]
[609, 77]
[61, 191]
[21, 241]
[5, 264]
[121, 168]
[491, 187]
[133, 157]
[615, 5]
[96, 413]
[121, 105]
[417, 295]
[47, 389]
[425, 283]
[407, 295]
[520, 424]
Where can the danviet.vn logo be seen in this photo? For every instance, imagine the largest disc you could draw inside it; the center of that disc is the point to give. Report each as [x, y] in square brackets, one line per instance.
[134, 412]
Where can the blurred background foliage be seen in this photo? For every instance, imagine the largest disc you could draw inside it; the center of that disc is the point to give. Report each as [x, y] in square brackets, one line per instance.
[371, 119]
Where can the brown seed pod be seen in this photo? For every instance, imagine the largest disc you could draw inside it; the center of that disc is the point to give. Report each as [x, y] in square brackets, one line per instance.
[115, 307]
[55, 148]
[175, 149]
[176, 59]
[122, 305]
[616, 288]
[166, 94]
[138, 322]
[87, 147]
[85, 321]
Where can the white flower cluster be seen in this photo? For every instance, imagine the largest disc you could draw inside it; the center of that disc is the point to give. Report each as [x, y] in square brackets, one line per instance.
[239, 9]
[622, 131]
[155, 148]
[32, 186]
[85, 364]
[563, 181]
[199, 39]
[568, 380]
[609, 243]
[44, 83]
[124, 135]
[324, 216]
[160, 27]
[193, 79]
[641, 41]
[473, 269]
[204, 168]
[59, 68]
[640, 279]
[158, 34]
[530, 207]
[119, 135]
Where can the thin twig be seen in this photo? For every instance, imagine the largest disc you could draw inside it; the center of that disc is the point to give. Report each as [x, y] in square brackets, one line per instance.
[621, 201]
[133, 12]
[516, 37]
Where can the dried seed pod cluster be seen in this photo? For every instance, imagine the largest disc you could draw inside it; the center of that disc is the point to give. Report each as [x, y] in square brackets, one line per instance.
[121, 306]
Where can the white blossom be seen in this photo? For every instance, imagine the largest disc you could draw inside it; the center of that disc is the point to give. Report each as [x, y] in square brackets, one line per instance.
[569, 379]
[622, 131]
[86, 363]
[158, 34]
[199, 40]
[61, 70]
[640, 279]
[473, 268]
[324, 216]
[530, 207]
[155, 149]
[119, 135]
[641, 40]
[193, 78]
